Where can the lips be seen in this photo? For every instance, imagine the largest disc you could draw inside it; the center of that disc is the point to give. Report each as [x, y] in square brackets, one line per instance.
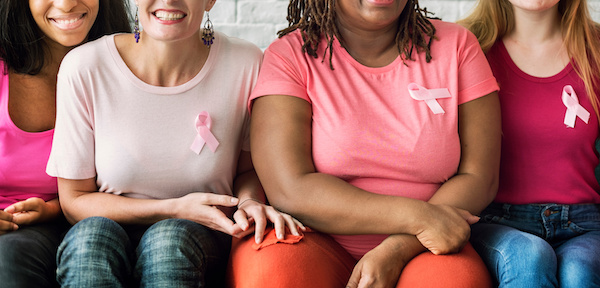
[381, 2]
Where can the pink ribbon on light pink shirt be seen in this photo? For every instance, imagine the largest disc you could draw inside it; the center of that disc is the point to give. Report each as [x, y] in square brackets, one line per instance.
[574, 109]
[203, 124]
[429, 96]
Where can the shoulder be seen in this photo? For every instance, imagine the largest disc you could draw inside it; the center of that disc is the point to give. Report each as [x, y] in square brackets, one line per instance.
[451, 31]
[289, 43]
[237, 48]
[88, 55]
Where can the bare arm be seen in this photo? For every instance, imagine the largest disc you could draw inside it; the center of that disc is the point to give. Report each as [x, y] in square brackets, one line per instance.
[281, 141]
[80, 199]
[473, 188]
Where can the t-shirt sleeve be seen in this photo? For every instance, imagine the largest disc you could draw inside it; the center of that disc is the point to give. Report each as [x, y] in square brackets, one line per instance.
[282, 70]
[475, 78]
[72, 155]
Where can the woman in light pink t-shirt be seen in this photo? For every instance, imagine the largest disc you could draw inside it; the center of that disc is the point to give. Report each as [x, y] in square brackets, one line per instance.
[379, 128]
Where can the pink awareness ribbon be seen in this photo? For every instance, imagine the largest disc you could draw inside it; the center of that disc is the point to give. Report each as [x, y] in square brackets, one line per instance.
[574, 109]
[204, 136]
[429, 96]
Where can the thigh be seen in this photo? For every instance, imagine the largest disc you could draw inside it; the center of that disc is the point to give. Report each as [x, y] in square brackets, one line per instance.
[579, 261]
[96, 252]
[28, 255]
[315, 260]
[182, 253]
[513, 257]
[464, 269]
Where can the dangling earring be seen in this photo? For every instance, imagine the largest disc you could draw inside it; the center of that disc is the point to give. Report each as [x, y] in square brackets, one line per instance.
[136, 27]
[208, 32]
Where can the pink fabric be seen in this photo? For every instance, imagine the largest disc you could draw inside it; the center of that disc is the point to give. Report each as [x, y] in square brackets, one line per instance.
[367, 129]
[23, 157]
[543, 160]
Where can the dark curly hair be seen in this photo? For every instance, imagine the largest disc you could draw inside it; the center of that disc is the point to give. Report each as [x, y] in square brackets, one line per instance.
[21, 45]
[316, 19]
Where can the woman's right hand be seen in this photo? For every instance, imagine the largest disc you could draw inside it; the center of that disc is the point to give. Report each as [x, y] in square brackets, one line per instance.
[6, 223]
[445, 229]
[203, 208]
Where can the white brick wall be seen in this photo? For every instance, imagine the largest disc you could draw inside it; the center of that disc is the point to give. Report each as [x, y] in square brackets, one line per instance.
[259, 20]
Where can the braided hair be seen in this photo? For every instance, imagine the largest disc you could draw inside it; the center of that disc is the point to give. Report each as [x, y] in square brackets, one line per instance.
[317, 18]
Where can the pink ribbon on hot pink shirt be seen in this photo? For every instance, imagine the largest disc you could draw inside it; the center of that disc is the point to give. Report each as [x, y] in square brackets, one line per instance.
[203, 124]
[429, 95]
[574, 109]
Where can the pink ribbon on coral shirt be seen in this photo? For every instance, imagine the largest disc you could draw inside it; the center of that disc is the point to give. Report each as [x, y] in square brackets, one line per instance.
[203, 124]
[574, 109]
[429, 96]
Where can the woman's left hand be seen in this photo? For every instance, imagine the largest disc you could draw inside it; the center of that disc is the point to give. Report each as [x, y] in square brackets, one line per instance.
[382, 266]
[33, 210]
[254, 216]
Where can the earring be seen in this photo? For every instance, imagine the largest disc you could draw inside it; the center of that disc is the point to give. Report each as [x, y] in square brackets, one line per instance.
[208, 32]
[136, 27]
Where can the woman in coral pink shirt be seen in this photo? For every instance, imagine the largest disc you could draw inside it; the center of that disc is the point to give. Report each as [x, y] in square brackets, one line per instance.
[380, 128]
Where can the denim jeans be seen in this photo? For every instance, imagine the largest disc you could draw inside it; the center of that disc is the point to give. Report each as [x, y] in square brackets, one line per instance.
[540, 245]
[98, 252]
[27, 255]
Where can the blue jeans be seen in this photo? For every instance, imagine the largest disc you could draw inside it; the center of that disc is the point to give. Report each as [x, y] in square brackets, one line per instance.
[27, 255]
[545, 245]
[98, 252]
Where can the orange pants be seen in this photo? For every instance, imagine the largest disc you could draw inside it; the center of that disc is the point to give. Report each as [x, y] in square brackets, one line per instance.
[318, 261]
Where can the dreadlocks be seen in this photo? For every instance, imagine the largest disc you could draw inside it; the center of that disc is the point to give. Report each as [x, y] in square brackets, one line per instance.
[316, 19]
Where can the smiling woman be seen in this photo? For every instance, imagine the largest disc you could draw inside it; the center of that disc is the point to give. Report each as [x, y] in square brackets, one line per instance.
[34, 37]
[152, 153]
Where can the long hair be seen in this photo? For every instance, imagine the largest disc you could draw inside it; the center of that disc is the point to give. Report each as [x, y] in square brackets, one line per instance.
[317, 18]
[492, 20]
[21, 41]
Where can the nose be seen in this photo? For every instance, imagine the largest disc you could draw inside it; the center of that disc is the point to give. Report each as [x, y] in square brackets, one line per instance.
[65, 5]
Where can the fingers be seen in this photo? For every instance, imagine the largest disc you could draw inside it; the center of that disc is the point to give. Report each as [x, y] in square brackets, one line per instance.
[354, 278]
[241, 218]
[6, 223]
[218, 200]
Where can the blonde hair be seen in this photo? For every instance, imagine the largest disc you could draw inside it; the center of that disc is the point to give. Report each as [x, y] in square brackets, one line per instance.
[493, 19]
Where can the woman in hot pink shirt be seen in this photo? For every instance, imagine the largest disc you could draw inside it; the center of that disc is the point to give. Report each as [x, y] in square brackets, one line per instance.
[35, 36]
[543, 229]
[380, 128]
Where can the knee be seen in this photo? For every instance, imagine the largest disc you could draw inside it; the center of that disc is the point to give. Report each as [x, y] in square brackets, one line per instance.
[579, 268]
[93, 236]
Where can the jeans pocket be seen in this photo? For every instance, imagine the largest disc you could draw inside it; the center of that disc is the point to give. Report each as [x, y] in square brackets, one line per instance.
[582, 227]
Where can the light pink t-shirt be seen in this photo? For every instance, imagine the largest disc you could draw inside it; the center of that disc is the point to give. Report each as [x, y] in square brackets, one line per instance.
[543, 160]
[23, 157]
[136, 138]
[366, 129]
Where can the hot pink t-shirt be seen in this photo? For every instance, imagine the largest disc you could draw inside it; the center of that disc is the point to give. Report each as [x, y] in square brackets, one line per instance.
[23, 157]
[543, 160]
[367, 129]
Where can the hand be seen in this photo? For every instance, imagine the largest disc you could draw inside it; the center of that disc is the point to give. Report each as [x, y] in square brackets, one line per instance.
[446, 229]
[251, 210]
[201, 208]
[33, 210]
[380, 267]
[6, 223]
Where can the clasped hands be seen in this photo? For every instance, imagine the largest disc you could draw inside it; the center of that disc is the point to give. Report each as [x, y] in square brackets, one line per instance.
[251, 215]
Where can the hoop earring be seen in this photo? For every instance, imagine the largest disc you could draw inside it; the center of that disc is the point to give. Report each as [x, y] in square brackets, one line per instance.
[136, 27]
[208, 32]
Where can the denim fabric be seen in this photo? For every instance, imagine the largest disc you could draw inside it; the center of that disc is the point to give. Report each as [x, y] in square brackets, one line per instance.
[27, 255]
[545, 245]
[97, 252]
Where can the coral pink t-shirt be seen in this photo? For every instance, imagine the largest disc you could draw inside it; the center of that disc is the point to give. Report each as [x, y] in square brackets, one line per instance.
[543, 160]
[367, 129]
[23, 157]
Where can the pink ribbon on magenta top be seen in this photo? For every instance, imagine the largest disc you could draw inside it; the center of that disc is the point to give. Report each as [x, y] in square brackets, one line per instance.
[429, 95]
[574, 109]
[203, 124]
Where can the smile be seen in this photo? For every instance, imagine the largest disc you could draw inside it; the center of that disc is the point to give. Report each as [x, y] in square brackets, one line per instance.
[168, 16]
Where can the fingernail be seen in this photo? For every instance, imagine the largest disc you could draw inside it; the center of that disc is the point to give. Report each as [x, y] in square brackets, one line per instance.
[233, 200]
[279, 235]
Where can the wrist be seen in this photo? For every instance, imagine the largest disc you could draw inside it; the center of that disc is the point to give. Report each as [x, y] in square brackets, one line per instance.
[248, 200]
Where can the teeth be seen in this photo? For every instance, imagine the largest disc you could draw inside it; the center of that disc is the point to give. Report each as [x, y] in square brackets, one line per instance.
[163, 15]
[66, 21]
